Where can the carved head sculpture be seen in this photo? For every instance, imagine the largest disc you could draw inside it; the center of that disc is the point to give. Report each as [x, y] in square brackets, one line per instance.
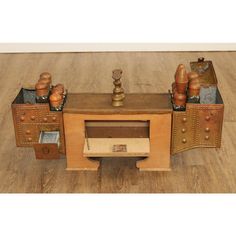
[116, 74]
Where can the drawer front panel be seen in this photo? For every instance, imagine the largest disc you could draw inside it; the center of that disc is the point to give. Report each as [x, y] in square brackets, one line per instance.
[27, 116]
[29, 133]
[46, 151]
[209, 127]
[182, 132]
[51, 118]
[26, 134]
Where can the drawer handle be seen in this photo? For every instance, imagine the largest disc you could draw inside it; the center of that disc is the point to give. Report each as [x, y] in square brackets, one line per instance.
[45, 150]
[45, 119]
[32, 117]
[27, 131]
[22, 118]
[184, 140]
[184, 119]
[54, 118]
[207, 118]
[29, 139]
[207, 137]
[183, 130]
[207, 129]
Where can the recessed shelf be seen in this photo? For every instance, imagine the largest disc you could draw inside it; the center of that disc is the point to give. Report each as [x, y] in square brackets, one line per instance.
[113, 147]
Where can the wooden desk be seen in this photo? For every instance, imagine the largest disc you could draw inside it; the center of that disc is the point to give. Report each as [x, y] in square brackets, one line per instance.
[155, 108]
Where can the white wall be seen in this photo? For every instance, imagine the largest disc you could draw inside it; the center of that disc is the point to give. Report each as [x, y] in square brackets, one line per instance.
[95, 47]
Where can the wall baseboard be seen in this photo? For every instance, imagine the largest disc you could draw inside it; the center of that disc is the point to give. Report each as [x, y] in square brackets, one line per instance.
[109, 47]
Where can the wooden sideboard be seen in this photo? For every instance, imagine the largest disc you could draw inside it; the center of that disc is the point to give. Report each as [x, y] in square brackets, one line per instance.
[154, 109]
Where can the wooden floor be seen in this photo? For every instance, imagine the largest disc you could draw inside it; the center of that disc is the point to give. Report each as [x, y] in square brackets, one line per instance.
[194, 171]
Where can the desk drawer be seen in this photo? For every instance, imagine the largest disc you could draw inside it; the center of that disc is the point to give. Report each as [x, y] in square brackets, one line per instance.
[48, 144]
[46, 151]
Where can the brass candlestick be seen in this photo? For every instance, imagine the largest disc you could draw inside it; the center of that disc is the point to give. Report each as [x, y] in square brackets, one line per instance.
[118, 92]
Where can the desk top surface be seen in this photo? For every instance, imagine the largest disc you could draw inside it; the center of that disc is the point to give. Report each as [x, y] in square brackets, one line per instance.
[91, 103]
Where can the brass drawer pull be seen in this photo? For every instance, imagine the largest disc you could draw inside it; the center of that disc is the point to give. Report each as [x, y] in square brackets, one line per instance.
[32, 117]
[207, 118]
[45, 119]
[184, 119]
[207, 129]
[184, 140]
[54, 118]
[207, 137]
[27, 131]
[183, 130]
[22, 118]
[29, 139]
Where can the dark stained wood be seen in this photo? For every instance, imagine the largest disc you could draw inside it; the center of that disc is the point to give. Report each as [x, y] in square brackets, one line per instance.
[133, 104]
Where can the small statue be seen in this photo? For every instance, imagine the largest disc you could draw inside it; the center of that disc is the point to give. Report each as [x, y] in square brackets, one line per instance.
[118, 92]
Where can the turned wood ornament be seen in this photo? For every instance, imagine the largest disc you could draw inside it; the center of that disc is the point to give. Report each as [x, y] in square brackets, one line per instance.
[46, 78]
[118, 92]
[41, 89]
[193, 76]
[194, 89]
[59, 88]
[179, 99]
[181, 79]
[55, 100]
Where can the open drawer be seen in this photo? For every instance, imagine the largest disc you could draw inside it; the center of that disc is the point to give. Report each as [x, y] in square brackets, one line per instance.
[48, 146]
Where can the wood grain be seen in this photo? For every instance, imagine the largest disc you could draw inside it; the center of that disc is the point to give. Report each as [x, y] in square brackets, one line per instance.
[196, 171]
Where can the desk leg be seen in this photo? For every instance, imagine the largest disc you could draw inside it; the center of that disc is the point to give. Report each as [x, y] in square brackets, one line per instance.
[160, 137]
[75, 138]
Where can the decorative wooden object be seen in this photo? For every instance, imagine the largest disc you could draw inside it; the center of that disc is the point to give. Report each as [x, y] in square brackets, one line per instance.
[145, 125]
[81, 108]
[31, 118]
[118, 92]
[200, 125]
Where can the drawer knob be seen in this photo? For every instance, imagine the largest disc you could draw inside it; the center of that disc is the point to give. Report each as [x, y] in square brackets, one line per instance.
[32, 117]
[22, 118]
[27, 131]
[45, 150]
[207, 137]
[54, 118]
[184, 119]
[207, 118]
[183, 130]
[184, 140]
[45, 119]
[207, 129]
[29, 139]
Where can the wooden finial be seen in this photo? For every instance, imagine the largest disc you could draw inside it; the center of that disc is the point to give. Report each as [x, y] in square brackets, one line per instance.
[118, 92]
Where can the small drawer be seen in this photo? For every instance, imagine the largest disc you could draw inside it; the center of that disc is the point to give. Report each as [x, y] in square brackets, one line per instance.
[51, 118]
[182, 138]
[27, 116]
[46, 151]
[48, 146]
[210, 122]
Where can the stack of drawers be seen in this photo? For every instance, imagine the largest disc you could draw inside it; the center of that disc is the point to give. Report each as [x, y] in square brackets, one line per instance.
[31, 119]
[200, 125]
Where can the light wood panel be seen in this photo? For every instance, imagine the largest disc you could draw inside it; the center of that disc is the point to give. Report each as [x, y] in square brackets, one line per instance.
[198, 170]
[103, 147]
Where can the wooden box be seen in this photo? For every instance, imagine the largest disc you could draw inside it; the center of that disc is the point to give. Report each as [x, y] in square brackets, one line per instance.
[200, 125]
[31, 118]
